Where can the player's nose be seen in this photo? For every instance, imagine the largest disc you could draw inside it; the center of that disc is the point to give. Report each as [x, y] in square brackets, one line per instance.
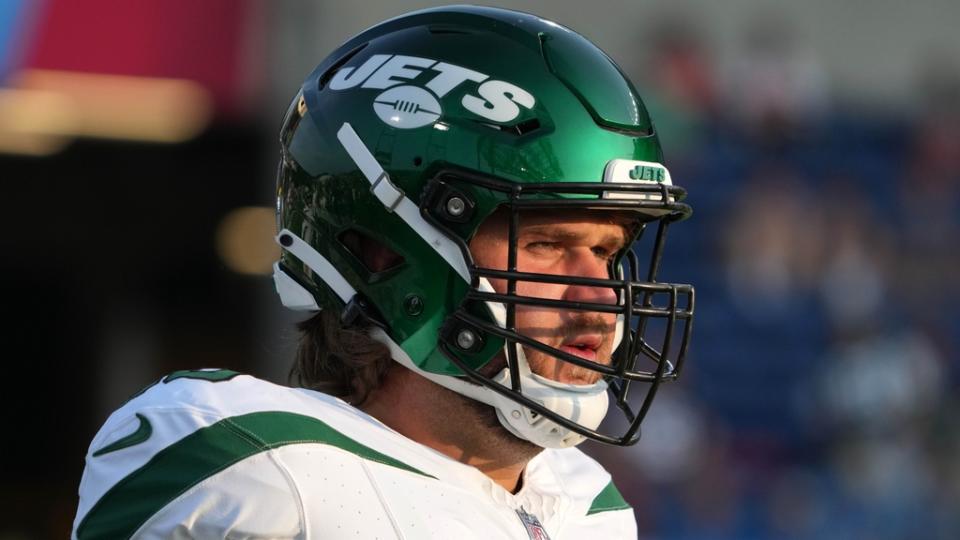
[589, 265]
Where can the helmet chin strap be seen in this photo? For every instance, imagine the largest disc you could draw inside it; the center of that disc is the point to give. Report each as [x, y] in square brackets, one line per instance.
[584, 404]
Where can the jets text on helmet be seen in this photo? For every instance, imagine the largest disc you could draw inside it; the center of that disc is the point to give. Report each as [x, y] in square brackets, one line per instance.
[498, 101]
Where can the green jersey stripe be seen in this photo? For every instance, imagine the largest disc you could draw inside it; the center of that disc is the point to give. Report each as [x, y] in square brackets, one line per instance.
[608, 499]
[203, 453]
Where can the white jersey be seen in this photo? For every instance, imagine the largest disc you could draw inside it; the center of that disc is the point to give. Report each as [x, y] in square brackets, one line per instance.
[216, 454]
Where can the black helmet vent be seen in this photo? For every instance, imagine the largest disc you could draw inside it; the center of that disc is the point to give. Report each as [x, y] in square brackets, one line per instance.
[375, 256]
[518, 129]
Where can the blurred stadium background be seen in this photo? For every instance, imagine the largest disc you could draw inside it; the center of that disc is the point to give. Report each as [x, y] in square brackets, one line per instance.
[820, 142]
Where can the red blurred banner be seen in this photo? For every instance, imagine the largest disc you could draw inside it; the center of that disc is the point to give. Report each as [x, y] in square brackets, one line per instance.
[212, 42]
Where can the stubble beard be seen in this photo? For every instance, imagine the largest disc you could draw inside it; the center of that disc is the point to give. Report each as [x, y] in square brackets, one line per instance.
[488, 438]
[540, 362]
[479, 433]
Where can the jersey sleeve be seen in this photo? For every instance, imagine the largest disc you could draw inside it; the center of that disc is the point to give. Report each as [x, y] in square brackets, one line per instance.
[169, 464]
[251, 499]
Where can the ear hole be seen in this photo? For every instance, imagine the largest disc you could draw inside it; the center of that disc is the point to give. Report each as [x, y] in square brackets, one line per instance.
[374, 255]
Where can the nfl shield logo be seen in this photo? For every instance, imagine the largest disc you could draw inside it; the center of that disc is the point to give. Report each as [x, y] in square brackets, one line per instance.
[534, 529]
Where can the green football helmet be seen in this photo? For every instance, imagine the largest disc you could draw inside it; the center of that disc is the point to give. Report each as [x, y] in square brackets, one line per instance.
[414, 132]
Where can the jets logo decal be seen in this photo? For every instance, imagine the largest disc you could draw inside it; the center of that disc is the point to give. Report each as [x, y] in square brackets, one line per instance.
[406, 106]
[626, 171]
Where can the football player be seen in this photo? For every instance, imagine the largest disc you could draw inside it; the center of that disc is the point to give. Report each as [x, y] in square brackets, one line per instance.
[459, 196]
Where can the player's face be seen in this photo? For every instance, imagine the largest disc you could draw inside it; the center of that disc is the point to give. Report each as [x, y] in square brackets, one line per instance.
[560, 243]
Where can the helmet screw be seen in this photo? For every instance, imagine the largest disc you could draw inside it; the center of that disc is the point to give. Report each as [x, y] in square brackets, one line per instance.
[455, 206]
[466, 339]
[515, 414]
[413, 304]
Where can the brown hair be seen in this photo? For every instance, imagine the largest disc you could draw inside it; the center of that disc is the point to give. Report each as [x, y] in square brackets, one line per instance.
[343, 361]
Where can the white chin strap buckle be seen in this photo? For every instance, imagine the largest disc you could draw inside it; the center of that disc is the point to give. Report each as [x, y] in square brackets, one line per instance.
[584, 404]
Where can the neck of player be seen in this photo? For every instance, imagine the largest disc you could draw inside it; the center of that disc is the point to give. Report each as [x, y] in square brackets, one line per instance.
[462, 429]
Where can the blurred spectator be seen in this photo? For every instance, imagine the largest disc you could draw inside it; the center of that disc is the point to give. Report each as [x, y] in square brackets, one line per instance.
[881, 383]
[677, 80]
[858, 259]
[681, 64]
[772, 243]
[777, 89]
[678, 439]
[930, 206]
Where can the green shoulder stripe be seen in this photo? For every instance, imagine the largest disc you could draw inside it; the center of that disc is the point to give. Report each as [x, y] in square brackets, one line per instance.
[212, 375]
[608, 499]
[203, 453]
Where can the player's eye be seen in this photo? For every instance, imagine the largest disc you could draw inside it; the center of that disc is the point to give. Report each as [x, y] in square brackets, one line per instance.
[542, 246]
[604, 253]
